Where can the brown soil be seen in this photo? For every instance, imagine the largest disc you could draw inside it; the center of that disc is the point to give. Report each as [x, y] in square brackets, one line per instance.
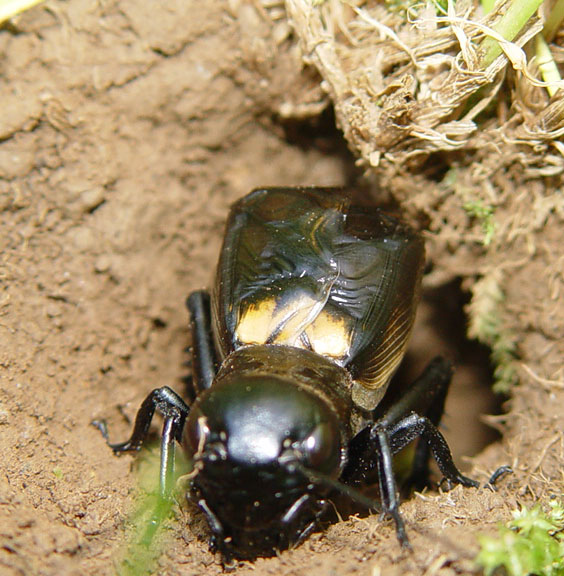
[127, 129]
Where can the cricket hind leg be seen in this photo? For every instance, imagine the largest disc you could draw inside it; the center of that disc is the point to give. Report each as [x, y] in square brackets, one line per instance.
[397, 422]
[412, 415]
[416, 416]
[204, 358]
[167, 402]
[164, 400]
[425, 396]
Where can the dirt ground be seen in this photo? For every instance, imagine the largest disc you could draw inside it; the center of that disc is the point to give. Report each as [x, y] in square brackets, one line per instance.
[127, 129]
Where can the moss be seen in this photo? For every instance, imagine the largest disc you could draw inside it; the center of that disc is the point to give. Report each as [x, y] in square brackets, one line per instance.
[485, 215]
[531, 543]
[487, 326]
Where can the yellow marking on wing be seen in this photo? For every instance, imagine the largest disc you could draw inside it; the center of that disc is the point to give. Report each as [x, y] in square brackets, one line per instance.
[264, 321]
[329, 335]
[259, 322]
[255, 323]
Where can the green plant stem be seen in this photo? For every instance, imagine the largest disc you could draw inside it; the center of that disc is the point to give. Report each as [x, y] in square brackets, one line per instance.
[546, 64]
[142, 549]
[553, 21]
[487, 5]
[510, 24]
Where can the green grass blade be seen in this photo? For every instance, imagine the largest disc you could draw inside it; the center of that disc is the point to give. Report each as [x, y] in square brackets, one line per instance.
[510, 24]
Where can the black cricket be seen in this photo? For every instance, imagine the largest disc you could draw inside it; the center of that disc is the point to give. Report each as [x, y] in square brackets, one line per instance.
[292, 358]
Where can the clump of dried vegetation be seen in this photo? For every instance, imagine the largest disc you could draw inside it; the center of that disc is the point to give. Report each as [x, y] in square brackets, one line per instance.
[411, 78]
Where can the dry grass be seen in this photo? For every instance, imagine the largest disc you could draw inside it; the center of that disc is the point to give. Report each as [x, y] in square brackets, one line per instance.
[407, 81]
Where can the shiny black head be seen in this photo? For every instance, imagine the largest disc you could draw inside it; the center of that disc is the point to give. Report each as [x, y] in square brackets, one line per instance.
[252, 437]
